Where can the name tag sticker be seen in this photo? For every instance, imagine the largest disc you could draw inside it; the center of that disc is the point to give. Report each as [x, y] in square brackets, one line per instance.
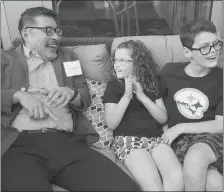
[72, 68]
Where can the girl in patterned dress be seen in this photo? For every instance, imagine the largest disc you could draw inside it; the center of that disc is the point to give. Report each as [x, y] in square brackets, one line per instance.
[135, 112]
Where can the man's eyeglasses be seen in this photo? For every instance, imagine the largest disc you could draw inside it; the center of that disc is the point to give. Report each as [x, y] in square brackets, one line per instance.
[48, 30]
[206, 49]
[122, 62]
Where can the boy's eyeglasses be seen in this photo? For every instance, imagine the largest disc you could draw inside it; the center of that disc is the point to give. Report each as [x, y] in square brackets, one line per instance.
[121, 62]
[206, 49]
[48, 30]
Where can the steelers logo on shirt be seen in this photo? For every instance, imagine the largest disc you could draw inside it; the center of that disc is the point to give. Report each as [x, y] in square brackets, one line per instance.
[191, 103]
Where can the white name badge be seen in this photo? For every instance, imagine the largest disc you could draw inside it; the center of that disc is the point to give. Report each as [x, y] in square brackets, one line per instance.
[72, 68]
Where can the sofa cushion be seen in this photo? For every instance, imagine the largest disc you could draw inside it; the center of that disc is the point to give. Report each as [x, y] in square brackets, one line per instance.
[94, 60]
[164, 49]
[95, 113]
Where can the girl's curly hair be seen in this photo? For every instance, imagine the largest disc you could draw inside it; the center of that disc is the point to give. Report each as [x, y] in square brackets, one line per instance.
[146, 70]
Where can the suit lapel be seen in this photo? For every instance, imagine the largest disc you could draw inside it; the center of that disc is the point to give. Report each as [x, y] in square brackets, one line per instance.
[21, 58]
[59, 71]
[57, 65]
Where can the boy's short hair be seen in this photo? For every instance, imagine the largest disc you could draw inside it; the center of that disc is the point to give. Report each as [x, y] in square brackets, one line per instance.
[191, 29]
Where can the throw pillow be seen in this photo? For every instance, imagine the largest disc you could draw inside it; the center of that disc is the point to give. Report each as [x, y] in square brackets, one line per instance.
[95, 113]
[165, 49]
[94, 60]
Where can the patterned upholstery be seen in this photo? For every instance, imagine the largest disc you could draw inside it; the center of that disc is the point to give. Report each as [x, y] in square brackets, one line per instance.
[96, 115]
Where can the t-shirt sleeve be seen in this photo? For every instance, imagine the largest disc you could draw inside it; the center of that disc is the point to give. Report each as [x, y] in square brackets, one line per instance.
[159, 95]
[164, 77]
[219, 78]
[110, 95]
[154, 96]
[163, 83]
[219, 106]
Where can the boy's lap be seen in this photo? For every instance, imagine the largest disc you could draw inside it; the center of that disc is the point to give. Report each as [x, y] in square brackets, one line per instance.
[182, 144]
[218, 165]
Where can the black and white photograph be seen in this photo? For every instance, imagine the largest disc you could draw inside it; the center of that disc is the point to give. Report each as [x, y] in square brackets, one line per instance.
[114, 95]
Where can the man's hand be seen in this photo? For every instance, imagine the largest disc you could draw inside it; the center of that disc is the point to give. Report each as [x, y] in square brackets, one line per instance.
[170, 134]
[35, 107]
[59, 97]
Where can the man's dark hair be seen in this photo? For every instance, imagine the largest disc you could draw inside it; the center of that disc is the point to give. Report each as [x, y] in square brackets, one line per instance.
[29, 15]
[193, 28]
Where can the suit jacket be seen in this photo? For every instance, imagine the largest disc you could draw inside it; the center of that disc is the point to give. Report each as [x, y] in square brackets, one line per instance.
[14, 77]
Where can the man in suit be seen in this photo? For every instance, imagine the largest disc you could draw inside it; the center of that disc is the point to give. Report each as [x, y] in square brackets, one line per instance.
[40, 98]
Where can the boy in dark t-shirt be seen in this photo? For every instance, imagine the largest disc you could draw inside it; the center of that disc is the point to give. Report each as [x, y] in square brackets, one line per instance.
[194, 93]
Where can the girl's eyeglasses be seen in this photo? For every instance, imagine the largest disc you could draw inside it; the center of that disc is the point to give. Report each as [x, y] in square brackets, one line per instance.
[121, 62]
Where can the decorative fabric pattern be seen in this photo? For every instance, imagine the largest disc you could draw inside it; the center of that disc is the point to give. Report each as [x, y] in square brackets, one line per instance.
[95, 113]
[124, 145]
[215, 141]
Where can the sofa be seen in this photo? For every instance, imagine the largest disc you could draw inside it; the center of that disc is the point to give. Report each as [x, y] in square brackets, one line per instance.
[94, 56]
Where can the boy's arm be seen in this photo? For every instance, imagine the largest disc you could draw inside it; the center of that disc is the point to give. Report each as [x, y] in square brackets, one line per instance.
[212, 126]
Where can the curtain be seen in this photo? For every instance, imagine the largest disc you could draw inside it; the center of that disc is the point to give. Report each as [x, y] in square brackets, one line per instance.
[184, 11]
